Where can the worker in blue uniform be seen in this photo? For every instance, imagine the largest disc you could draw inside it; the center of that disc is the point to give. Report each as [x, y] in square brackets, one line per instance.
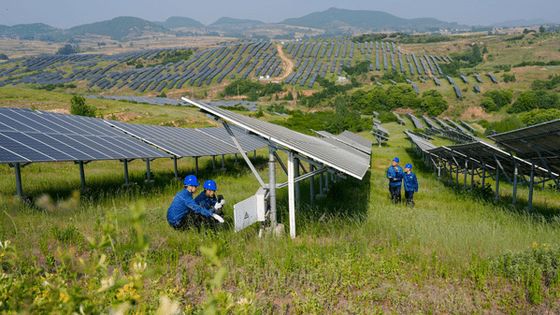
[395, 176]
[410, 185]
[184, 211]
[208, 198]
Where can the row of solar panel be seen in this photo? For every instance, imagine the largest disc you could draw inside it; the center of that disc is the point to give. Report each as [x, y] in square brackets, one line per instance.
[34, 136]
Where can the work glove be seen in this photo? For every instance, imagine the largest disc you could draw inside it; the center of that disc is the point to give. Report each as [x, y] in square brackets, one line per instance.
[218, 206]
[218, 218]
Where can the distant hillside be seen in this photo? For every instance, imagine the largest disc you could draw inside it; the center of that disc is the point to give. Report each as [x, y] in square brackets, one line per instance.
[37, 31]
[180, 22]
[232, 22]
[118, 28]
[520, 23]
[341, 20]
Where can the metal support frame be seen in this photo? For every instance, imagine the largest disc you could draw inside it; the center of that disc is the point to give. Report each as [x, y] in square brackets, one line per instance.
[514, 192]
[531, 187]
[465, 174]
[483, 175]
[196, 165]
[175, 168]
[497, 197]
[292, 194]
[312, 185]
[125, 167]
[272, 185]
[19, 186]
[296, 174]
[245, 157]
[213, 162]
[82, 176]
[148, 172]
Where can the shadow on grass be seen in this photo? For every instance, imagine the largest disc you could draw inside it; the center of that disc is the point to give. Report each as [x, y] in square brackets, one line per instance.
[487, 195]
[346, 200]
[113, 186]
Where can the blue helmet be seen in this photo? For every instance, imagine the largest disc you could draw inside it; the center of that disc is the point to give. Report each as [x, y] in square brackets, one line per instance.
[210, 185]
[396, 159]
[408, 166]
[191, 181]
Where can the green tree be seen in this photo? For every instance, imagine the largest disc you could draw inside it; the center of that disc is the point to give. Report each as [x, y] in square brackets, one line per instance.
[488, 104]
[501, 98]
[79, 107]
[433, 103]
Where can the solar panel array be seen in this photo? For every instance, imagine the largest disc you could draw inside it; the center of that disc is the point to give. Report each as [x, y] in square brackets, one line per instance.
[143, 72]
[31, 136]
[314, 148]
[28, 136]
[539, 143]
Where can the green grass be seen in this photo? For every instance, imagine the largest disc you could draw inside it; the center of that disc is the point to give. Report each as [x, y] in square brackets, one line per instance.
[355, 251]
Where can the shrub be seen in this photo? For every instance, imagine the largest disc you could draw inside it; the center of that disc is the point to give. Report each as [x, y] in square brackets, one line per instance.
[538, 116]
[488, 104]
[507, 124]
[252, 89]
[530, 100]
[509, 78]
[433, 103]
[79, 107]
[501, 98]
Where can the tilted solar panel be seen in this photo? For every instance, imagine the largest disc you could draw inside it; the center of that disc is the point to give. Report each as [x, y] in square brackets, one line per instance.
[312, 147]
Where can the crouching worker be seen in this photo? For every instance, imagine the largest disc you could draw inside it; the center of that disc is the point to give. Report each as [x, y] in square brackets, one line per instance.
[410, 185]
[395, 176]
[184, 211]
[208, 198]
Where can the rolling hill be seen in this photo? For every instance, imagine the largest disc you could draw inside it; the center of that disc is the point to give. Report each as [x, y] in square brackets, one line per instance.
[336, 20]
[175, 22]
[118, 28]
[37, 31]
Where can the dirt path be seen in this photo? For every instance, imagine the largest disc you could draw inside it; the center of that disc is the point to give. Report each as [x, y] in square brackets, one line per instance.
[287, 65]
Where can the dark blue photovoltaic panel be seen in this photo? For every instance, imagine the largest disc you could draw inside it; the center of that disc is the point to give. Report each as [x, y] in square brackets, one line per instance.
[33, 136]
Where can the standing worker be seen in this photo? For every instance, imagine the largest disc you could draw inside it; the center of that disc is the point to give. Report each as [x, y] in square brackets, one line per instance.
[208, 199]
[410, 185]
[395, 176]
[184, 211]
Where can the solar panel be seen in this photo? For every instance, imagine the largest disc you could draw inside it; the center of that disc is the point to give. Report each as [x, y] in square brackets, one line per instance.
[34, 136]
[539, 143]
[346, 142]
[491, 155]
[312, 147]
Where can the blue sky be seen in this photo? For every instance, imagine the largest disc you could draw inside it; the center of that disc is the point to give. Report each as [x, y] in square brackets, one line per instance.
[66, 13]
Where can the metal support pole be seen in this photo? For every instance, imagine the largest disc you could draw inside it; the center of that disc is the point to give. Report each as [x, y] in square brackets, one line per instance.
[327, 182]
[531, 187]
[296, 174]
[457, 173]
[19, 188]
[321, 184]
[148, 172]
[125, 166]
[483, 182]
[196, 165]
[272, 186]
[497, 184]
[311, 186]
[213, 162]
[255, 154]
[472, 176]
[291, 194]
[175, 169]
[514, 193]
[82, 176]
[465, 173]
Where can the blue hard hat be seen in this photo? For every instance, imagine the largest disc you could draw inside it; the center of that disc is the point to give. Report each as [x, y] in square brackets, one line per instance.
[210, 185]
[396, 159]
[408, 166]
[191, 181]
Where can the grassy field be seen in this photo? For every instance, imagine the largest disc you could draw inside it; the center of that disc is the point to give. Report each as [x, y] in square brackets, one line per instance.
[111, 248]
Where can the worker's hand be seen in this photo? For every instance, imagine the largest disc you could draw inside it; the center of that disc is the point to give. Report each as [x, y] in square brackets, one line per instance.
[217, 206]
[218, 218]
[223, 202]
